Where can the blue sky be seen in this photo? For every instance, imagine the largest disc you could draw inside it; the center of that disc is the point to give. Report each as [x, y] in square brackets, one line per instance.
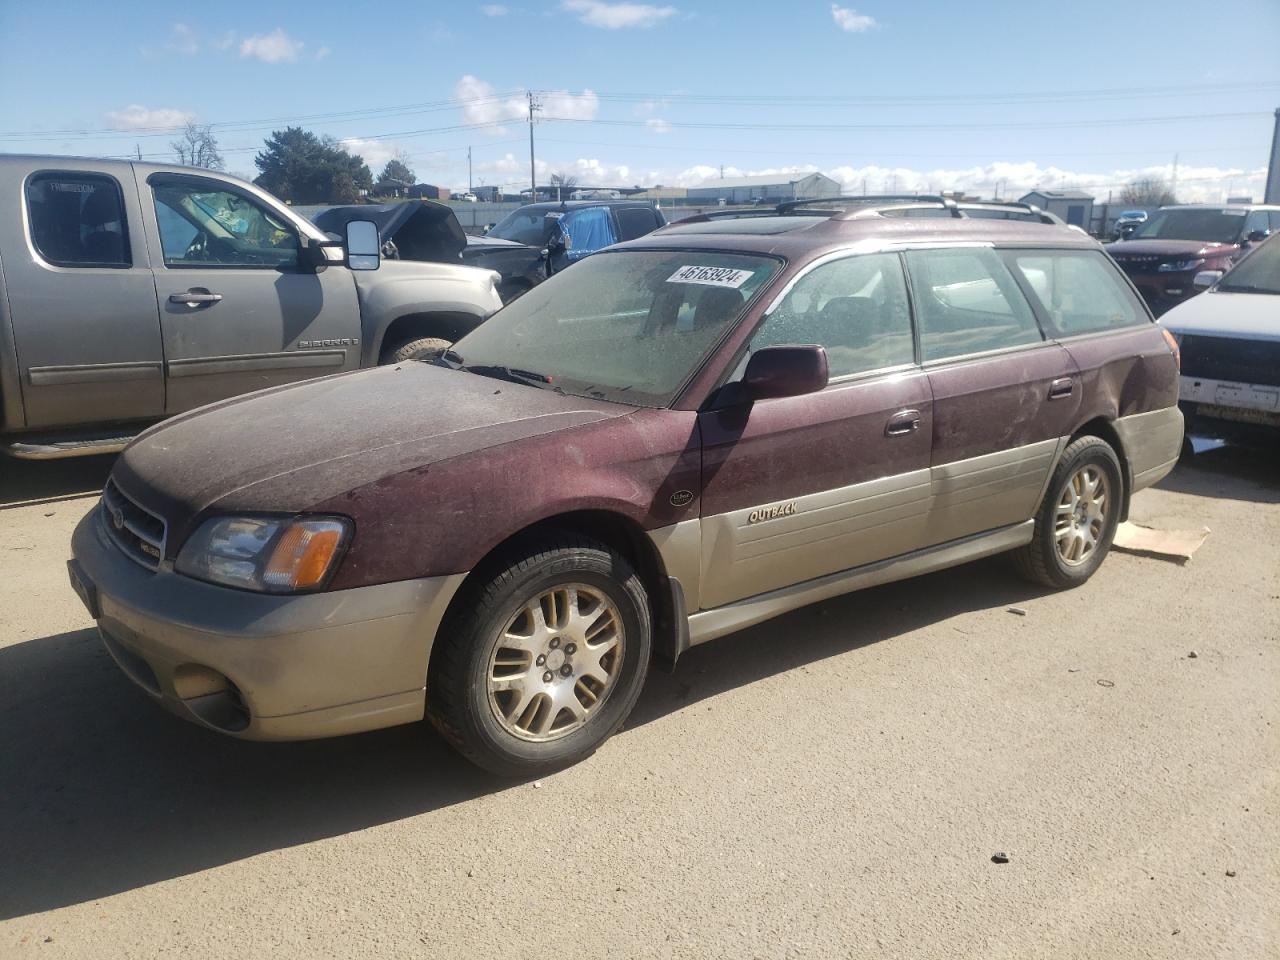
[983, 96]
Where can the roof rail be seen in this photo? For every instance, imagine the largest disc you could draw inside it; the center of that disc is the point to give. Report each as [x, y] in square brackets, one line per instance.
[867, 198]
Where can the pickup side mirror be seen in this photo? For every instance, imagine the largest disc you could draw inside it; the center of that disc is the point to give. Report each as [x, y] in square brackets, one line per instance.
[1257, 236]
[363, 246]
[1206, 278]
[785, 372]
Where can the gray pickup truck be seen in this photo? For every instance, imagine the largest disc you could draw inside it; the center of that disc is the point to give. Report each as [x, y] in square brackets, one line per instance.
[130, 292]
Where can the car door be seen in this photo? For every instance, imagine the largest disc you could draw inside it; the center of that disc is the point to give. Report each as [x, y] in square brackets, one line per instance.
[80, 294]
[238, 310]
[1004, 398]
[798, 487]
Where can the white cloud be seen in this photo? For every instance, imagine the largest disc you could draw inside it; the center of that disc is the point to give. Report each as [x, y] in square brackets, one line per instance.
[274, 47]
[322, 53]
[617, 16]
[481, 103]
[183, 40]
[375, 153]
[658, 125]
[495, 10]
[137, 117]
[850, 20]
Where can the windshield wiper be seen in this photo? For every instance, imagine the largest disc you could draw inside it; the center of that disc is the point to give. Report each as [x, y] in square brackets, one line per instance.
[513, 374]
[1245, 288]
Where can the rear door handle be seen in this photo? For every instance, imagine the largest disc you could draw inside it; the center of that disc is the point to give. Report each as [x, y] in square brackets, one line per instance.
[1061, 388]
[194, 297]
[902, 423]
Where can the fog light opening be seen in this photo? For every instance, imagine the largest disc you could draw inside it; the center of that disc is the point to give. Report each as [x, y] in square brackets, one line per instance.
[211, 697]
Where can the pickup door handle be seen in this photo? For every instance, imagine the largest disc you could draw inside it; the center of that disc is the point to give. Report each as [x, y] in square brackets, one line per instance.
[195, 296]
[1061, 388]
[902, 423]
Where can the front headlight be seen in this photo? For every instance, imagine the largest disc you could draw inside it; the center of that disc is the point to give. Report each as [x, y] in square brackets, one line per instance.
[1180, 266]
[266, 554]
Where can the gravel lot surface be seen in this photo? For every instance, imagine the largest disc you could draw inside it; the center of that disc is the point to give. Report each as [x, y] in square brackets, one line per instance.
[830, 784]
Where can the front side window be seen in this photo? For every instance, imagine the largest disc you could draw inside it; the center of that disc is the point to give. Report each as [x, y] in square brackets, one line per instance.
[1078, 290]
[967, 302]
[855, 307]
[631, 326]
[202, 225]
[78, 220]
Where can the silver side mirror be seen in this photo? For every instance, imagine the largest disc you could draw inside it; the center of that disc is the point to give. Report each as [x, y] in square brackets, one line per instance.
[1206, 278]
[363, 247]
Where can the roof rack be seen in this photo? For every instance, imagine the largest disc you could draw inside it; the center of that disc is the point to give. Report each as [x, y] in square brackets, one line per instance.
[866, 198]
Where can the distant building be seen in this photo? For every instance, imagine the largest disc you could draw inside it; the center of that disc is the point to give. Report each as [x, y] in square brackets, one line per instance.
[390, 188]
[488, 194]
[772, 187]
[1071, 205]
[426, 191]
[661, 193]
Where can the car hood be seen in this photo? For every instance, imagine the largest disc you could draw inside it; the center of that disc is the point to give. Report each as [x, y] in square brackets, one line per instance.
[421, 229]
[1167, 248]
[1246, 316]
[291, 447]
[474, 242]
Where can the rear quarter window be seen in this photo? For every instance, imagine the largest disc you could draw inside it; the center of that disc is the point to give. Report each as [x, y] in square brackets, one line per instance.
[1079, 291]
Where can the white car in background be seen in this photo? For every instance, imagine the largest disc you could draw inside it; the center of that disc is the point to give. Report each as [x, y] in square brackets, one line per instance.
[1230, 341]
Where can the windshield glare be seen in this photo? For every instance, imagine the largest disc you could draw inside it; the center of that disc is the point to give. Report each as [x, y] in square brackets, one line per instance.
[630, 326]
[531, 227]
[1257, 273]
[1209, 226]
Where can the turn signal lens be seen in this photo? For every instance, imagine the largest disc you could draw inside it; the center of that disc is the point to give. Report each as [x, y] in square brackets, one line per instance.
[1173, 345]
[302, 557]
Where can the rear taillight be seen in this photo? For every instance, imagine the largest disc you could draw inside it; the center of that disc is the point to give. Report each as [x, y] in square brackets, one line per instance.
[1173, 345]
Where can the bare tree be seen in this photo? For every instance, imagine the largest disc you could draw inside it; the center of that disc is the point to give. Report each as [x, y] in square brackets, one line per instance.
[197, 147]
[1148, 192]
[564, 184]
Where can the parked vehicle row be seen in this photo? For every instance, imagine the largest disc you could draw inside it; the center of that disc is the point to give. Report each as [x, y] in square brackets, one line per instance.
[683, 435]
[134, 291]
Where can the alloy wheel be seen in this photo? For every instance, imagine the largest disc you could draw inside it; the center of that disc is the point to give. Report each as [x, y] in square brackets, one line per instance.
[1081, 515]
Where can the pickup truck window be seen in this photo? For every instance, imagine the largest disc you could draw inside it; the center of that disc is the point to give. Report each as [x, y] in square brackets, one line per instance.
[202, 225]
[77, 220]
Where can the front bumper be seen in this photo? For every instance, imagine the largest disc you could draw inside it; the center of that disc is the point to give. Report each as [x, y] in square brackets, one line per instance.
[257, 666]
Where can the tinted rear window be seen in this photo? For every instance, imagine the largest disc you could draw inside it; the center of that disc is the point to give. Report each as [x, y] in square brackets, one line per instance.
[78, 220]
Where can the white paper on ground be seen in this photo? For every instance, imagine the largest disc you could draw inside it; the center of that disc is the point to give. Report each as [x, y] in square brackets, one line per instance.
[1177, 545]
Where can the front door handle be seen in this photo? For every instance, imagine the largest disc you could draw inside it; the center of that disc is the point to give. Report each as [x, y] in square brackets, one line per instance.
[1061, 388]
[902, 423]
[194, 296]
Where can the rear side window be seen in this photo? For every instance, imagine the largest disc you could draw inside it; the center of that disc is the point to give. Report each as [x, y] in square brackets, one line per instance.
[967, 302]
[77, 220]
[636, 222]
[1079, 291]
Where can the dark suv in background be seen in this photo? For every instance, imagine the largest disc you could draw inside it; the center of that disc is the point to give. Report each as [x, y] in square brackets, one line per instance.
[680, 437]
[1165, 253]
[573, 229]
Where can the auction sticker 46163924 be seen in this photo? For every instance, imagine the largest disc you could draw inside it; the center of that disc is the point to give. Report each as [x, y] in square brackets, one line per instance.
[711, 276]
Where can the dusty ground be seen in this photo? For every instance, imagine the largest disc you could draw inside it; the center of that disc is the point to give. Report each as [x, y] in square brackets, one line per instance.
[833, 783]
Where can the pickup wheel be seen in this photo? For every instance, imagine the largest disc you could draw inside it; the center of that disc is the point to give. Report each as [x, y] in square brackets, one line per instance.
[544, 660]
[420, 348]
[1077, 520]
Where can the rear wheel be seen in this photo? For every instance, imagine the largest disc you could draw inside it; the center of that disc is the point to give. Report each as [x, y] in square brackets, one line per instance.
[420, 348]
[544, 660]
[1077, 519]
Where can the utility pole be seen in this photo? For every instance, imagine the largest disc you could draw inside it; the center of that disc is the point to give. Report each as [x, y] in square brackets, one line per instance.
[469, 189]
[533, 176]
[1174, 188]
[138, 149]
[1272, 194]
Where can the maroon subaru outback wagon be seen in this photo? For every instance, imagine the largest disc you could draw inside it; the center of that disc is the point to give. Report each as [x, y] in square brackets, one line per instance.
[675, 439]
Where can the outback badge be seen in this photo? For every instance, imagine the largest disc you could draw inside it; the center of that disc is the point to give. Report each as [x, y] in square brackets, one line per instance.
[772, 513]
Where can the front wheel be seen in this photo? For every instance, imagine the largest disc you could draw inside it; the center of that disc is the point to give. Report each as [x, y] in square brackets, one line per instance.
[1077, 520]
[420, 348]
[544, 660]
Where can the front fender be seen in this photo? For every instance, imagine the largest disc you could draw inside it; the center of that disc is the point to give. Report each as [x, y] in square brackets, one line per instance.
[400, 287]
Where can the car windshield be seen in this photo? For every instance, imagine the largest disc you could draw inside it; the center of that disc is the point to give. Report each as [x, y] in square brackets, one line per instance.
[1257, 273]
[1208, 225]
[631, 326]
[532, 227]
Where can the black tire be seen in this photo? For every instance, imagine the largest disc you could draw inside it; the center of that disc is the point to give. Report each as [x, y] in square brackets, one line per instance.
[421, 348]
[1040, 561]
[459, 702]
